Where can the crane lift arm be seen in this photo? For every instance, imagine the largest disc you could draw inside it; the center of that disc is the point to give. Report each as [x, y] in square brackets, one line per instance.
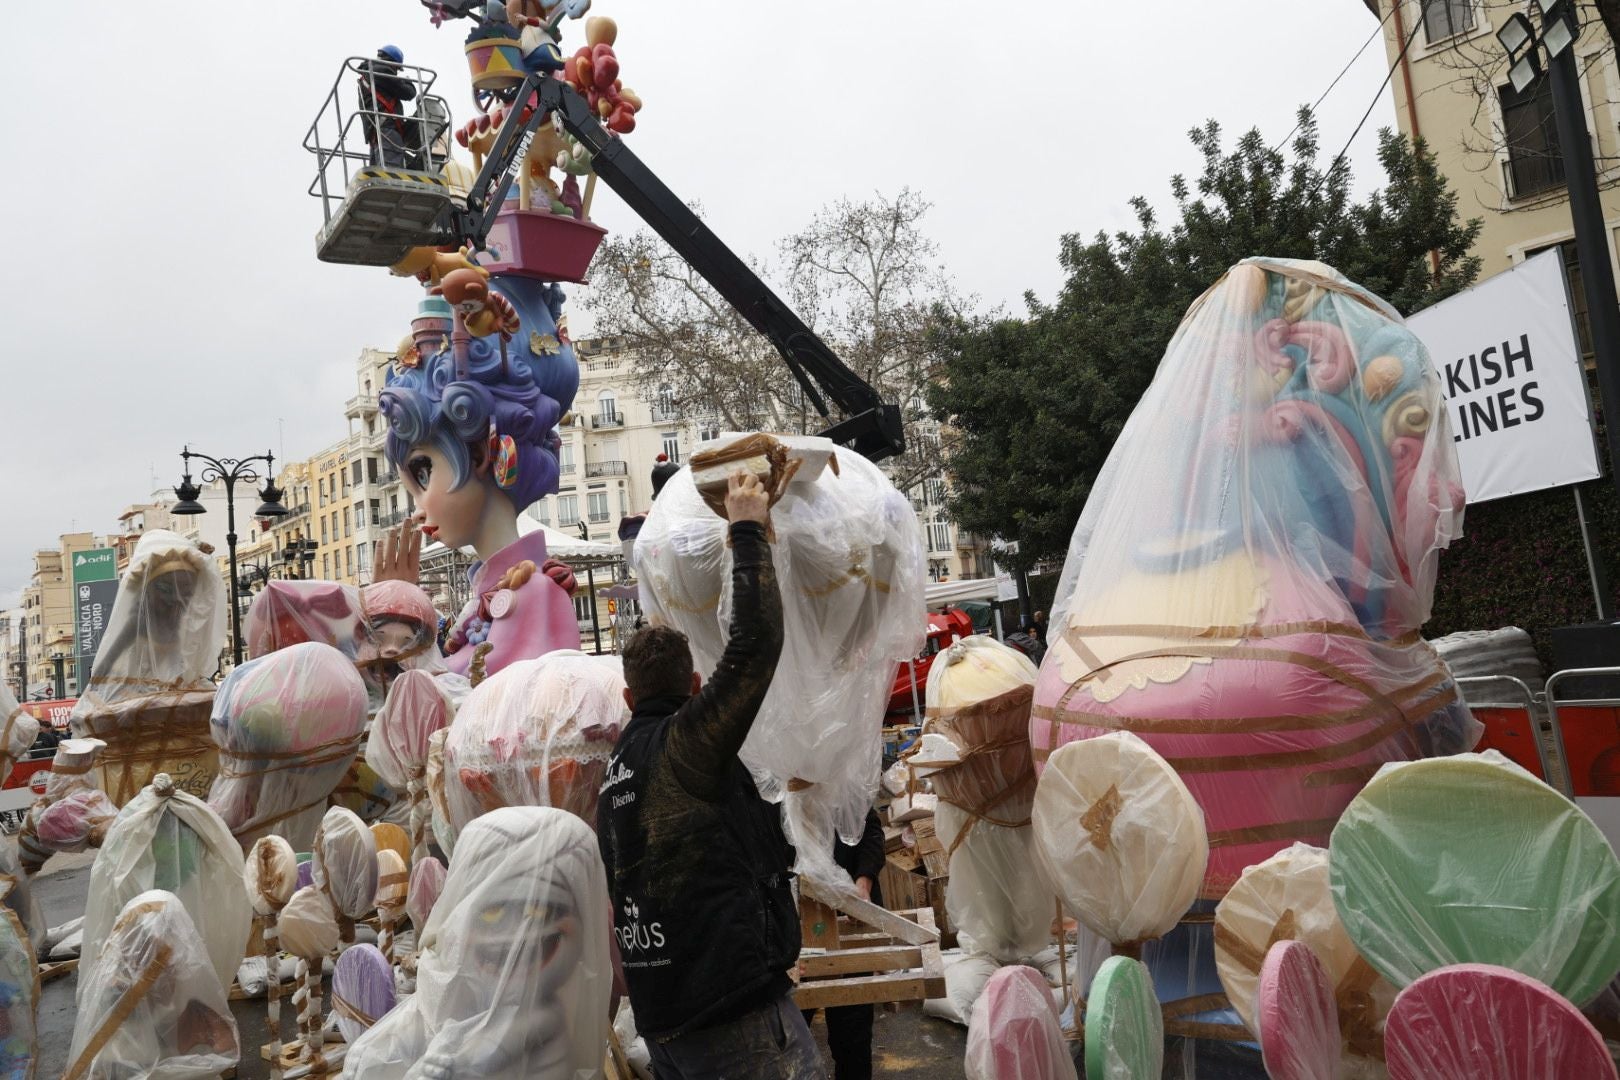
[871, 426]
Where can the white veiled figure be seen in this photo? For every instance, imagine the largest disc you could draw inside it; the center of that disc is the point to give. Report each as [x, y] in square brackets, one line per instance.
[514, 975]
[150, 1005]
[18, 730]
[150, 691]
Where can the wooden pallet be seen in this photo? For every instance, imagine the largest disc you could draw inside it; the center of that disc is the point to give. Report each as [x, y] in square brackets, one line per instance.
[57, 969]
[871, 954]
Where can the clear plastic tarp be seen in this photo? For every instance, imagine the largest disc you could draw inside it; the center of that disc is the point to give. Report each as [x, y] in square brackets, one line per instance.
[848, 554]
[70, 773]
[171, 840]
[1288, 897]
[288, 726]
[1124, 1027]
[513, 975]
[345, 858]
[1246, 582]
[1470, 859]
[270, 874]
[18, 730]
[1482, 1022]
[19, 1000]
[979, 693]
[1119, 837]
[1014, 1033]
[536, 733]
[362, 990]
[151, 684]
[151, 1004]
[17, 894]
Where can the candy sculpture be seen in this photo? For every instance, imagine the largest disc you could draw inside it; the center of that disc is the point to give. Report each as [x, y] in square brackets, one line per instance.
[168, 839]
[418, 705]
[151, 1004]
[309, 930]
[362, 990]
[271, 877]
[422, 893]
[150, 692]
[1246, 583]
[1299, 1022]
[288, 725]
[975, 755]
[392, 882]
[1015, 1032]
[514, 975]
[849, 564]
[289, 612]
[1470, 859]
[537, 734]
[1124, 1032]
[345, 867]
[1481, 1022]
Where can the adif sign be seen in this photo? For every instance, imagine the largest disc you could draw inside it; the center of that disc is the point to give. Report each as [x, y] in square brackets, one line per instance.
[1511, 372]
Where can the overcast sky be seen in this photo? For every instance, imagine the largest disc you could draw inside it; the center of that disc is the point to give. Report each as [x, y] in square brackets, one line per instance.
[162, 285]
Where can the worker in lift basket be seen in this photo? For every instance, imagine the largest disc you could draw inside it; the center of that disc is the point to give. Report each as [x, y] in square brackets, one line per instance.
[697, 864]
[383, 93]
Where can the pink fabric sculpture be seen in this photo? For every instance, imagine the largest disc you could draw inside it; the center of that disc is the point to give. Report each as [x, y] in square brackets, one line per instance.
[515, 610]
[1014, 1033]
[1246, 583]
[288, 612]
[1481, 1022]
[1299, 1019]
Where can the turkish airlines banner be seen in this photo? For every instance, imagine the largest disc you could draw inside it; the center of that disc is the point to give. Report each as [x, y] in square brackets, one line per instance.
[1510, 368]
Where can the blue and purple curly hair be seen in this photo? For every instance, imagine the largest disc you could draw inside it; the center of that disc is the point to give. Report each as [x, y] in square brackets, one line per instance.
[523, 396]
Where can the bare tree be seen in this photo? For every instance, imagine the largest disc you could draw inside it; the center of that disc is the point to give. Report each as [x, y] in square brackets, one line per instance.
[862, 274]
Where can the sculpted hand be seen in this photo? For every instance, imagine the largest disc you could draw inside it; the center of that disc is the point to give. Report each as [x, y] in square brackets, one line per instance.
[399, 556]
[746, 499]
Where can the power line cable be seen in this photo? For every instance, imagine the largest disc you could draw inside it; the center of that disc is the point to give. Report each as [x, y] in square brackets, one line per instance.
[1318, 104]
[1388, 75]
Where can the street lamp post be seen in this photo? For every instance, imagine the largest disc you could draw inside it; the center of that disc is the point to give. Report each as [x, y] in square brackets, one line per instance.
[57, 660]
[590, 587]
[1559, 30]
[229, 470]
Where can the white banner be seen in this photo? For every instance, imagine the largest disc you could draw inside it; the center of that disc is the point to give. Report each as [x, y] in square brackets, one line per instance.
[1511, 372]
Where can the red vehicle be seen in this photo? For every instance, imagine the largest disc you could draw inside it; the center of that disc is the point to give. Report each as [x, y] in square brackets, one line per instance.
[944, 628]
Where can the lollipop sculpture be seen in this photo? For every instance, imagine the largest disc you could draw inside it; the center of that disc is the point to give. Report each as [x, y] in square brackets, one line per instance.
[392, 886]
[418, 704]
[345, 868]
[309, 930]
[271, 876]
[362, 990]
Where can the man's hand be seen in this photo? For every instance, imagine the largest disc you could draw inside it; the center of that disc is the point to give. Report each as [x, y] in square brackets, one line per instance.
[399, 556]
[863, 887]
[746, 499]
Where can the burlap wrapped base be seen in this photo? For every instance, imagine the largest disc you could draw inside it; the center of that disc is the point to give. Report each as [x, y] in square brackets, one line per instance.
[154, 733]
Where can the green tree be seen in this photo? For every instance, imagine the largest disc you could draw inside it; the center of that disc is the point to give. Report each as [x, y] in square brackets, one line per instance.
[1037, 402]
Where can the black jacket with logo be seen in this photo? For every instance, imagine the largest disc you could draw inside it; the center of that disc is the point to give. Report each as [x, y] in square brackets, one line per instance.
[697, 864]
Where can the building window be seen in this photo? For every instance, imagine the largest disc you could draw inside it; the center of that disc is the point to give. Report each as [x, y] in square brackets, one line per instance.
[375, 507]
[326, 565]
[939, 536]
[672, 446]
[938, 570]
[598, 505]
[365, 558]
[346, 519]
[323, 530]
[607, 407]
[544, 512]
[371, 470]
[1443, 19]
[567, 510]
[323, 491]
[709, 431]
[1530, 134]
[1577, 296]
[624, 502]
[359, 515]
[348, 561]
[664, 404]
[565, 458]
[356, 466]
[582, 608]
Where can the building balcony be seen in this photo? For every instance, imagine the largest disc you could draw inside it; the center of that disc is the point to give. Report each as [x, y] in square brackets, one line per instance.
[293, 513]
[613, 419]
[1531, 174]
[606, 468]
[360, 406]
[662, 415]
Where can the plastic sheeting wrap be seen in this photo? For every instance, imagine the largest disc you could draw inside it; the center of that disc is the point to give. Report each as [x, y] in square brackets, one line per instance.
[390, 837]
[18, 730]
[1481, 1022]
[78, 821]
[150, 690]
[288, 726]
[309, 924]
[1470, 859]
[362, 990]
[345, 866]
[18, 897]
[1120, 838]
[536, 733]
[513, 976]
[1124, 1030]
[418, 704]
[1014, 1033]
[170, 840]
[979, 692]
[1299, 1021]
[19, 1000]
[70, 773]
[849, 562]
[151, 1005]
[426, 884]
[1246, 582]
[270, 874]
[1288, 897]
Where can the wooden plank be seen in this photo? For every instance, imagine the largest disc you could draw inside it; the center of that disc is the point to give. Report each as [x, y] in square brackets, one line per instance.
[866, 961]
[860, 990]
[818, 924]
[876, 917]
[47, 972]
[933, 964]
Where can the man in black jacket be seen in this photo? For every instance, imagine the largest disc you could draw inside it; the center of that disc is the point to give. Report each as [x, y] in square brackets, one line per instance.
[697, 864]
[849, 1027]
[383, 93]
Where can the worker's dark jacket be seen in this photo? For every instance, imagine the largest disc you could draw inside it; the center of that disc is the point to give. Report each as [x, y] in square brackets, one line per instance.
[393, 91]
[866, 857]
[696, 860]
